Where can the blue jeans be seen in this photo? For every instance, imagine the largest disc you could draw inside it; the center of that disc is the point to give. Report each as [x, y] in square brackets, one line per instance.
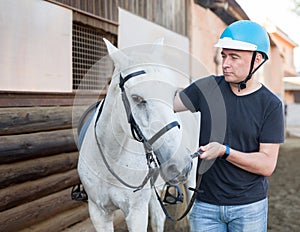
[237, 218]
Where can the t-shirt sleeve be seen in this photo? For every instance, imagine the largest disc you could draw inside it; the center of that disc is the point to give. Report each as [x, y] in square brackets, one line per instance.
[273, 127]
[194, 96]
[190, 97]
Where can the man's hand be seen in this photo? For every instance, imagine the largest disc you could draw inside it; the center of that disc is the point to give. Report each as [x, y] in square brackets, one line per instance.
[212, 151]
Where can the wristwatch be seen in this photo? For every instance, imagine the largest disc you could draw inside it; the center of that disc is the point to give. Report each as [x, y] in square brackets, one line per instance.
[227, 152]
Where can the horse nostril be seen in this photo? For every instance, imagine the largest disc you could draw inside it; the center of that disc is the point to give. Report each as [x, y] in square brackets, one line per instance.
[172, 171]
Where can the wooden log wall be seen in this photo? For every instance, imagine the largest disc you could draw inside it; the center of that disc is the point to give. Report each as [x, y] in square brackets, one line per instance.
[38, 161]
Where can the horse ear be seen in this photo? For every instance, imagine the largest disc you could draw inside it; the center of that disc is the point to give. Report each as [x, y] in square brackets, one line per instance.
[118, 57]
[110, 47]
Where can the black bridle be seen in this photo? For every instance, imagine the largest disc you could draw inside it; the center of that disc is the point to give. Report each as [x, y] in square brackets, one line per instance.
[152, 161]
[135, 129]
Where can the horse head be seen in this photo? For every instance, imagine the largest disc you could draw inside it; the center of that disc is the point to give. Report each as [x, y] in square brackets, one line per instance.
[148, 89]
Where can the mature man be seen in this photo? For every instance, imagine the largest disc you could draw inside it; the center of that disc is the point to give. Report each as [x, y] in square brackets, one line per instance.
[233, 192]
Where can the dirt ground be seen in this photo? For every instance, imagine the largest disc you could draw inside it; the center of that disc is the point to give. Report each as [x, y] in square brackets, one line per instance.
[284, 190]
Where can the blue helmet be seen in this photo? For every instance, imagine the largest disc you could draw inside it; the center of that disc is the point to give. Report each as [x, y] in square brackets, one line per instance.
[245, 35]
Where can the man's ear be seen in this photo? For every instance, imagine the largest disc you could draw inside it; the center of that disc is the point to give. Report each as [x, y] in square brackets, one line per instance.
[259, 58]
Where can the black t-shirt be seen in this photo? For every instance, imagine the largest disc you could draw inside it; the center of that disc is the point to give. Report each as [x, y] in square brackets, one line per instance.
[242, 122]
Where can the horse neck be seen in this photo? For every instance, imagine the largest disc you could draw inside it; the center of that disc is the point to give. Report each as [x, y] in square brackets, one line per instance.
[110, 128]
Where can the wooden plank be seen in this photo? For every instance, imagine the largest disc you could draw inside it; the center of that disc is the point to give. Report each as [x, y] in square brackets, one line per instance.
[27, 146]
[63, 220]
[34, 169]
[10, 99]
[29, 191]
[26, 215]
[87, 226]
[35, 119]
[84, 226]
[16, 99]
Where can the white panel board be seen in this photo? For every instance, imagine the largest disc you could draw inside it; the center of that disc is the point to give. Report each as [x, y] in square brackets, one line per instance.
[135, 30]
[35, 46]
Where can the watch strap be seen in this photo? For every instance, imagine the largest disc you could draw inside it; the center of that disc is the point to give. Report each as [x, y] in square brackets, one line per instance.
[227, 152]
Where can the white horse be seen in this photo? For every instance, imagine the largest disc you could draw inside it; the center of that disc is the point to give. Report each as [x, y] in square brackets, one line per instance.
[112, 163]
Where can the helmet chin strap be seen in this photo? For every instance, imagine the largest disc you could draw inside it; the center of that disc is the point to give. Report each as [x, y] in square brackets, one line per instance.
[242, 84]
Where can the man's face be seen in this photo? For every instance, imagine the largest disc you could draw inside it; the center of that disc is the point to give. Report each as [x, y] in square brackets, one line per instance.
[235, 64]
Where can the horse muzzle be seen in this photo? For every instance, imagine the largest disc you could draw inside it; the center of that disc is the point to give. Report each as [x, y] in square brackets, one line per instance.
[173, 176]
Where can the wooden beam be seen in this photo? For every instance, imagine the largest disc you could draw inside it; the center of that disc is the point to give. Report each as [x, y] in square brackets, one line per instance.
[20, 172]
[32, 190]
[19, 120]
[28, 146]
[62, 221]
[26, 215]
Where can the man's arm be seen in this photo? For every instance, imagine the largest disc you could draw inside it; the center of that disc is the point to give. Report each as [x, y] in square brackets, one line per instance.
[178, 104]
[262, 162]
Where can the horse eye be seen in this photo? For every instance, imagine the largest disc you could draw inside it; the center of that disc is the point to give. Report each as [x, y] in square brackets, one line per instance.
[138, 99]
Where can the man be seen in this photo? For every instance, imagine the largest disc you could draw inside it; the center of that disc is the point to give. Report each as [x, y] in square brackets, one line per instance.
[233, 192]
